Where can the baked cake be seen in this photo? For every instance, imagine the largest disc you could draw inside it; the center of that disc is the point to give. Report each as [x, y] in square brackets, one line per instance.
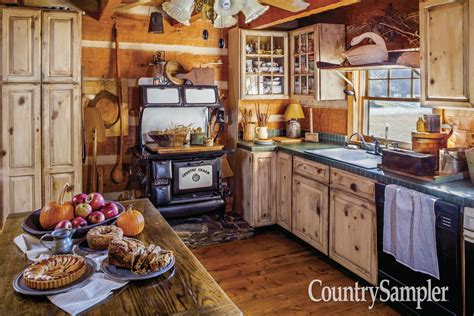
[99, 237]
[54, 272]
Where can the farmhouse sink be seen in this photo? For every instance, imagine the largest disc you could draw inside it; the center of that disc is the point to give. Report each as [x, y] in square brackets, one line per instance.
[356, 157]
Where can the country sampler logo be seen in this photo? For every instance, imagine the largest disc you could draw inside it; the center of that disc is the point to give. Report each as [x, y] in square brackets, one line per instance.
[194, 173]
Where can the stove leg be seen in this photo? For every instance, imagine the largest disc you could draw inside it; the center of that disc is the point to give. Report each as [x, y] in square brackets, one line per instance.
[221, 213]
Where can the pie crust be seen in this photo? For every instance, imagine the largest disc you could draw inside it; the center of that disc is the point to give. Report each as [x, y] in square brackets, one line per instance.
[54, 272]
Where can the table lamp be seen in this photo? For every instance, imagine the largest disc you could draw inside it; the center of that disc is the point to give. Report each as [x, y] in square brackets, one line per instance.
[292, 114]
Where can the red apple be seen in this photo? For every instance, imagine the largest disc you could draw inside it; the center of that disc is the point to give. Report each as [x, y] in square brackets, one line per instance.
[78, 199]
[63, 224]
[95, 200]
[110, 210]
[96, 217]
[79, 222]
[82, 210]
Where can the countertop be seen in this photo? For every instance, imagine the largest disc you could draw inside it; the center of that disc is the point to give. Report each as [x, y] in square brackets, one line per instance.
[191, 290]
[457, 192]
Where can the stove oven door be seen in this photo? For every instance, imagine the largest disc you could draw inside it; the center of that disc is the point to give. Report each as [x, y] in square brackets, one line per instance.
[195, 176]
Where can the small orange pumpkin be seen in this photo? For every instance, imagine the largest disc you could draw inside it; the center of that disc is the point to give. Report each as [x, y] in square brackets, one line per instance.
[131, 221]
[54, 212]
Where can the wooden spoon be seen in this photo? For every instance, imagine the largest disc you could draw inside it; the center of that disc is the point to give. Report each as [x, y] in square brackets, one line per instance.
[117, 171]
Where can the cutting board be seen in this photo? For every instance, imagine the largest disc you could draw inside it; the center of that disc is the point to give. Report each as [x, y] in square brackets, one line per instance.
[93, 119]
[181, 150]
[287, 140]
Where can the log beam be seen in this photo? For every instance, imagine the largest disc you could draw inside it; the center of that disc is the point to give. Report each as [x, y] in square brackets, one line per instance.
[288, 5]
[275, 16]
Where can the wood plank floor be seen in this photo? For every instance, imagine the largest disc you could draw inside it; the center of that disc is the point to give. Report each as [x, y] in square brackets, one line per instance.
[270, 273]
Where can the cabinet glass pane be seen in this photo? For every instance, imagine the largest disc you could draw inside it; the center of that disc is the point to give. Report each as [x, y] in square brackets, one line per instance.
[266, 65]
[304, 64]
[265, 45]
[251, 85]
[278, 65]
[297, 85]
[311, 89]
[311, 63]
[251, 44]
[304, 85]
[303, 44]
[297, 64]
[278, 45]
[296, 41]
[310, 42]
[251, 65]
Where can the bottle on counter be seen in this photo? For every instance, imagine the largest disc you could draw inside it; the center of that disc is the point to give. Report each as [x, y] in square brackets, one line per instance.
[420, 124]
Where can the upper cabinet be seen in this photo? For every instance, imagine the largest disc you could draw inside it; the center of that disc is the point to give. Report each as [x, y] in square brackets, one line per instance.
[447, 54]
[61, 47]
[320, 42]
[20, 45]
[261, 67]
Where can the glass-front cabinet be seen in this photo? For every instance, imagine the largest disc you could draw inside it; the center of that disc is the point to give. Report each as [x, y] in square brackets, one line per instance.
[319, 42]
[264, 65]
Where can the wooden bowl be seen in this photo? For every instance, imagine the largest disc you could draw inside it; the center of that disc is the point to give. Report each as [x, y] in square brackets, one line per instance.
[32, 226]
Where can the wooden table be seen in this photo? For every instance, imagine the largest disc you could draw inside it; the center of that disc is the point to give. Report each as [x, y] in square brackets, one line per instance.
[191, 290]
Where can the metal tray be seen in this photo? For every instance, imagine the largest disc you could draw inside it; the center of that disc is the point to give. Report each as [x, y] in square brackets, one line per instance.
[127, 275]
[20, 286]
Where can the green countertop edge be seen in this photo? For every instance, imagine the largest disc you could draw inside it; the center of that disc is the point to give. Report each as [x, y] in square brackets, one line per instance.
[457, 192]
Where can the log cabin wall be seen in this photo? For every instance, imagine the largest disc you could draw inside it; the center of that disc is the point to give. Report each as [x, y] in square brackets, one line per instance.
[137, 46]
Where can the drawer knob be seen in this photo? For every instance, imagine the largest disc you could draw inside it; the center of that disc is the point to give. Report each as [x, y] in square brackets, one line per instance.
[318, 210]
[356, 248]
[304, 230]
[353, 187]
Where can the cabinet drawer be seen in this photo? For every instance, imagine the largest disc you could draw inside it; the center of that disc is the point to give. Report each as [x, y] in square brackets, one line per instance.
[311, 170]
[349, 182]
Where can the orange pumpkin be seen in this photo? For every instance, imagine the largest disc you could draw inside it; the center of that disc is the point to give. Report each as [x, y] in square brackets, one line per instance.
[131, 221]
[54, 212]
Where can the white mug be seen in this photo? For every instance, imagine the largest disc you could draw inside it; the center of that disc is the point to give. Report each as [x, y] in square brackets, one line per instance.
[262, 132]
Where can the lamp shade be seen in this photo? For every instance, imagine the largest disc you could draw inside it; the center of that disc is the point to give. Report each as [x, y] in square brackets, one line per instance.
[179, 10]
[294, 111]
[253, 9]
[224, 21]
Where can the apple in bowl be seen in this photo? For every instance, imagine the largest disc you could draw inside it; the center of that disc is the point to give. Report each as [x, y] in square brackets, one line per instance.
[95, 200]
[96, 217]
[110, 209]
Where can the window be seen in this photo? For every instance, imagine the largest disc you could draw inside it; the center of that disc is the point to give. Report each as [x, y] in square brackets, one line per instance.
[392, 99]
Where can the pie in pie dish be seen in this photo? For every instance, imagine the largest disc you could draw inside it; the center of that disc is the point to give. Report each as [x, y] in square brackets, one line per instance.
[54, 272]
[135, 256]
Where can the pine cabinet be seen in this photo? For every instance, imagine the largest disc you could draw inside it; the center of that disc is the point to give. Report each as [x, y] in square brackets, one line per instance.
[257, 180]
[61, 47]
[258, 64]
[21, 147]
[20, 45]
[447, 53]
[40, 107]
[320, 42]
[62, 139]
[284, 190]
[310, 212]
[352, 224]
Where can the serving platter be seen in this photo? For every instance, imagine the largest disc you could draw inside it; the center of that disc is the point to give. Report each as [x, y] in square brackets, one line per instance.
[127, 275]
[84, 246]
[20, 287]
[32, 226]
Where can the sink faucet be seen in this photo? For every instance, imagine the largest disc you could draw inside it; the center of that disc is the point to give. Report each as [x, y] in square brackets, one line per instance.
[364, 143]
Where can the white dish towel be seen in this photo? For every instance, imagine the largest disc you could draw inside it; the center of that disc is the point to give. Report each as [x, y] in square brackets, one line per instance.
[97, 289]
[409, 229]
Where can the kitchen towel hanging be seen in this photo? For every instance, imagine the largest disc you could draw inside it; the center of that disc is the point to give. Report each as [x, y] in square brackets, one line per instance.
[409, 229]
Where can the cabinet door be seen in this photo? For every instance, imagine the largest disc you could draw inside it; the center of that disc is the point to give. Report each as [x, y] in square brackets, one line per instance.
[332, 42]
[310, 212]
[61, 47]
[21, 55]
[284, 170]
[447, 59]
[264, 189]
[353, 234]
[62, 139]
[21, 149]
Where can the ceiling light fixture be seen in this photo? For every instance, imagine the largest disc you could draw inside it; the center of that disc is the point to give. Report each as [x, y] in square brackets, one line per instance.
[221, 12]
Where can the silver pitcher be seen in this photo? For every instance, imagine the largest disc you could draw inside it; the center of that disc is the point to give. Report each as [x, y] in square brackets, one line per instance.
[62, 241]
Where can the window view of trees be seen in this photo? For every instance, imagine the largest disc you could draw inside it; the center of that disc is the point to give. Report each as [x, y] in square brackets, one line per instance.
[392, 98]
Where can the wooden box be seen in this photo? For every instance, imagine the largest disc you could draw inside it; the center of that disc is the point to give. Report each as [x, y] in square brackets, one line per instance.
[409, 162]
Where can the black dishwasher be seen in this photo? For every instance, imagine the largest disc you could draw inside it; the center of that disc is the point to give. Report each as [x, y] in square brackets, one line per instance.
[448, 243]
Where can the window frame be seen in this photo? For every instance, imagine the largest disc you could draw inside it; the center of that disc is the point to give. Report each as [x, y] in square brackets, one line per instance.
[365, 98]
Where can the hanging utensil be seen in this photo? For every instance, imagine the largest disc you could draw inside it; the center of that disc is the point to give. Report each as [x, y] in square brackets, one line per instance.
[117, 171]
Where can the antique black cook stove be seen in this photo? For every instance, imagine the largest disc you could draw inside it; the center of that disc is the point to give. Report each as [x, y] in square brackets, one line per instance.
[179, 184]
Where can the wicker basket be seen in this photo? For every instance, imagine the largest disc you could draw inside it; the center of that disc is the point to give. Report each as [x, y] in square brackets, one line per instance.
[168, 140]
